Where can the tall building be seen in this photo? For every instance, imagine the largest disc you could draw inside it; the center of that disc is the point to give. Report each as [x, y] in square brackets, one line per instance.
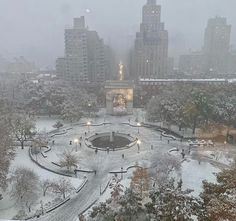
[217, 45]
[150, 54]
[85, 55]
[215, 59]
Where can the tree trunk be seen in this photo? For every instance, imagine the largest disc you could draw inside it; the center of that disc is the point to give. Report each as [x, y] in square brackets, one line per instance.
[64, 195]
[22, 144]
[227, 134]
[44, 191]
[194, 125]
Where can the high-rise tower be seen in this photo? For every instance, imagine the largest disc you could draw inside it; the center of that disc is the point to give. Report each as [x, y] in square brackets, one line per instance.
[86, 56]
[216, 45]
[150, 54]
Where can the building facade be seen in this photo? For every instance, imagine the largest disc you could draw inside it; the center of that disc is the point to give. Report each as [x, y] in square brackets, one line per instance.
[150, 54]
[215, 59]
[85, 55]
[217, 45]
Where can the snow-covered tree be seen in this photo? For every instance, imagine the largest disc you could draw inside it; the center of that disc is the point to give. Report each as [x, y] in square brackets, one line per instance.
[6, 151]
[170, 202]
[128, 207]
[22, 126]
[225, 109]
[131, 207]
[68, 159]
[71, 111]
[117, 189]
[62, 186]
[46, 185]
[162, 166]
[58, 125]
[25, 184]
[140, 182]
[220, 198]
[40, 140]
[102, 212]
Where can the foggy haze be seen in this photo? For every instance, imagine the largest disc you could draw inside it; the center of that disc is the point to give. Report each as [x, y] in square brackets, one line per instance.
[35, 28]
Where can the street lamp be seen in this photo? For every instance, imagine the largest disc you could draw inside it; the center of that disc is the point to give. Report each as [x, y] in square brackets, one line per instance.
[76, 144]
[138, 144]
[139, 125]
[88, 125]
[89, 109]
[41, 202]
[225, 144]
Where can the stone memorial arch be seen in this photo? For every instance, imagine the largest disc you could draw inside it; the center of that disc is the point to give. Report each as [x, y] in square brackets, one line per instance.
[119, 97]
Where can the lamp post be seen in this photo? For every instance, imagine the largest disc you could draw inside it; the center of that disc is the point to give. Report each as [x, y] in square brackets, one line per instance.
[41, 202]
[89, 109]
[76, 144]
[138, 125]
[88, 125]
[225, 144]
[138, 144]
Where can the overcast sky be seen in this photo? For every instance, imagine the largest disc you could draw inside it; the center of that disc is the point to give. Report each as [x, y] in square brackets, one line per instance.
[35, 28]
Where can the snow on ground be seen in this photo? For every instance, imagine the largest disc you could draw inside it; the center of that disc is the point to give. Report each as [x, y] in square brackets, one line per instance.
[45, 123]
[194, 172]
[7, 205]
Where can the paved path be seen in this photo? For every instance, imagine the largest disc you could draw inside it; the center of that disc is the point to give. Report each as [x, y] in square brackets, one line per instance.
[104, 163]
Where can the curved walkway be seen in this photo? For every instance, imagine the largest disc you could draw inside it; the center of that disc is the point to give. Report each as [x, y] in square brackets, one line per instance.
[152, 145]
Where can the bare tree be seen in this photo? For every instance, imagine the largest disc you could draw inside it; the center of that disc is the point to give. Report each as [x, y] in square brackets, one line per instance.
[25, 187]
[68, 160]
[22, 126]
[162, 166]
[46, 185]
[62, 186]
[39, 141]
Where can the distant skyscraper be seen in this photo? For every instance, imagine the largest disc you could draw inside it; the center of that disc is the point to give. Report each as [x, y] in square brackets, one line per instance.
[215, 59]
[85, 55]
[150, 54]
[217, 45]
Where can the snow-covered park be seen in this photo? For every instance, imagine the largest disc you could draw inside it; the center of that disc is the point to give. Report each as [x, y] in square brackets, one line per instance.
[95, 168]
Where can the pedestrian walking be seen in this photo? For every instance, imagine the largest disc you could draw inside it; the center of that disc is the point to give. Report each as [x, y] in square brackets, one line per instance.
[183, 153]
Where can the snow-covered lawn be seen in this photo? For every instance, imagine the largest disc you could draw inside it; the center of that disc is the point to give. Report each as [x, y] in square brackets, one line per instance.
[8, 208]
[45, 123]
[192, 172]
